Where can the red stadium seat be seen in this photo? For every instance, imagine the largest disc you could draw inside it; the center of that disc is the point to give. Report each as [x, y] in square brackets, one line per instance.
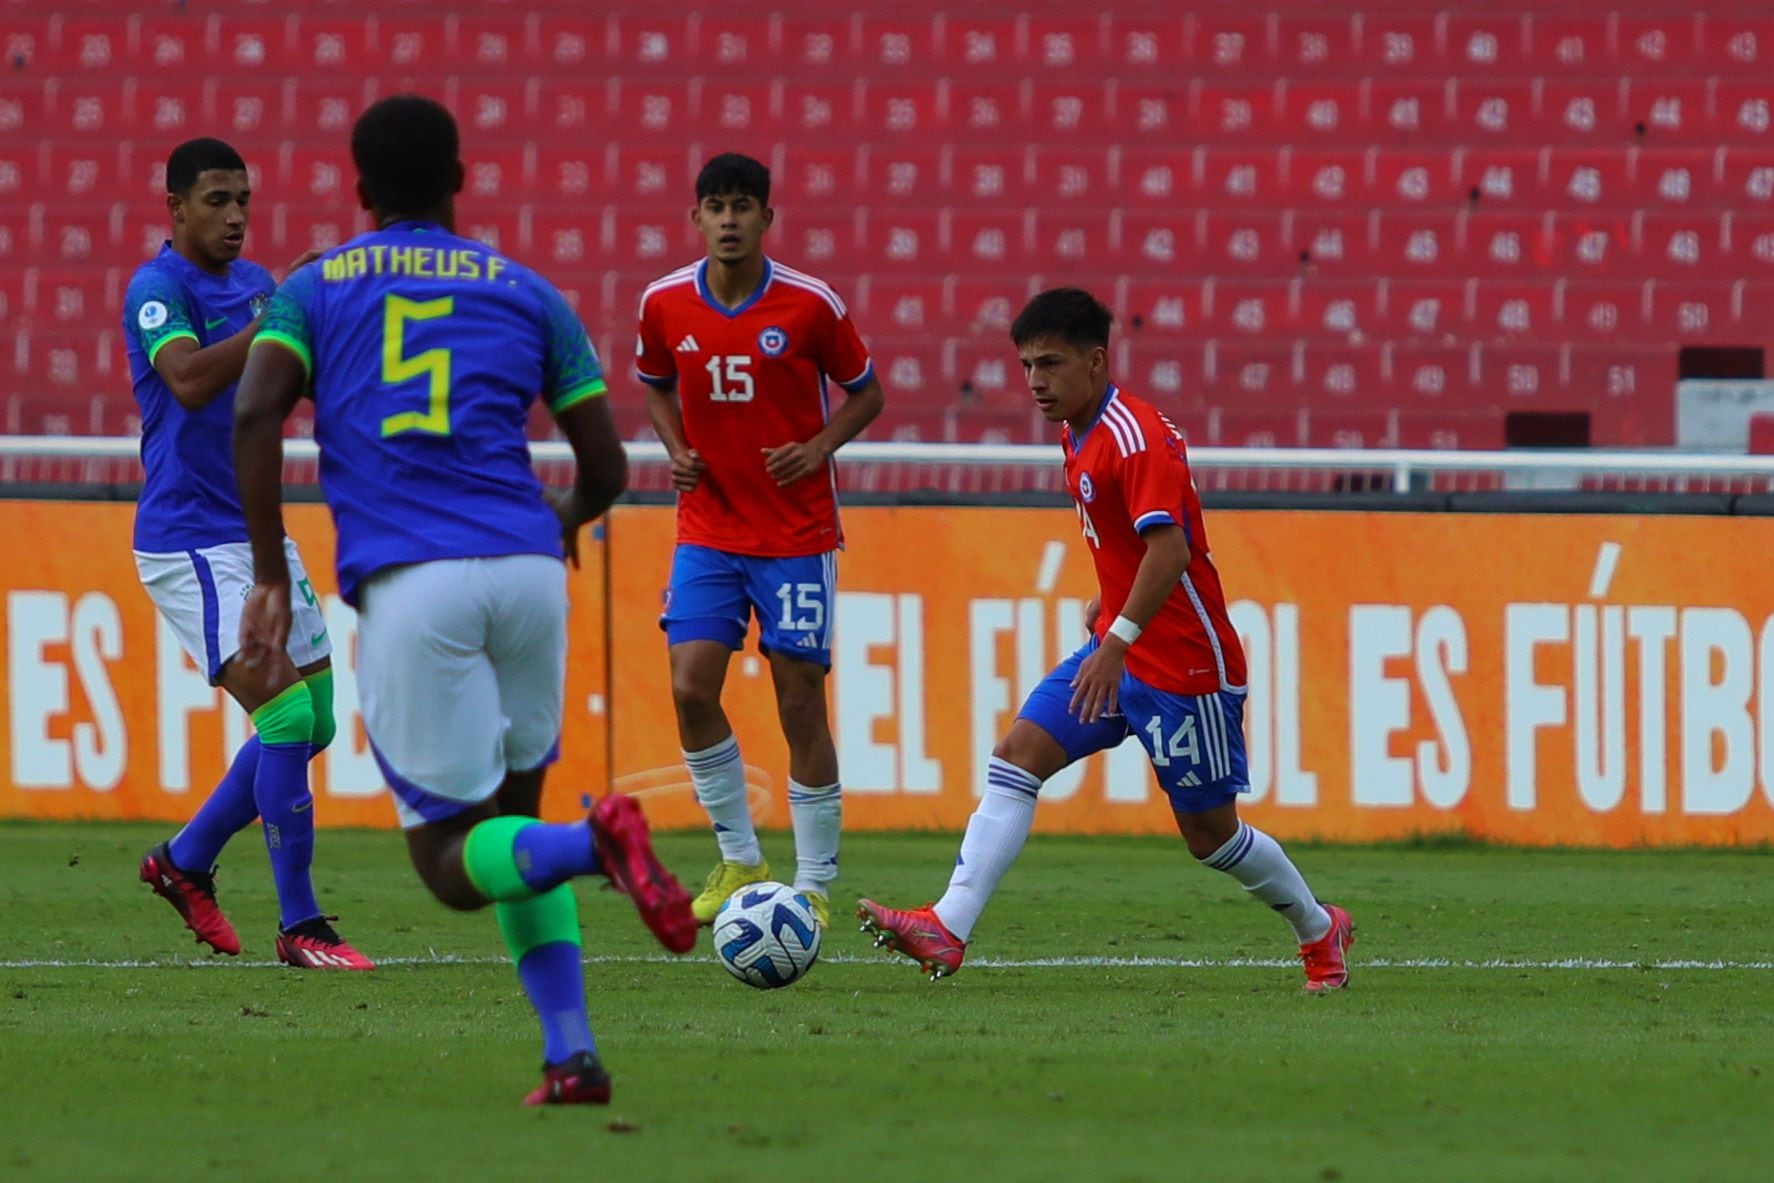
[815, 240]
[320, 44]
[1482, 46]
[1677, 179]
[1408, 113]
[1343, 374]
[1449, 430]
[818, 175]
[912, 368]
[902, 174]
[992, 241]
[1673, 112]
[1232, 308]
[1341, 428]
[1647, 45]
[985, 306]
[1746, 178]
[1405, 179]
[986, 372]
[1429, 309]
[1160, 307]
[1692, 312]
[1054, 175]
[577, 172]
[1437, 376]
[1239, 179]
[1679, 245]
[1603, 311]
[1060, 113]
[1397, 42]
[1743, 112]
[898, 305]
[70, 297]
[1336, 310]
[1583, 113]
[1740, 44]
[1269, 374]
[495, 174]
[1168, 371]
[1524, 376]
[1567, 45]
[1749, 244]
[248, 44]
[1504, 310]
[1233, 426]
[1076, 243]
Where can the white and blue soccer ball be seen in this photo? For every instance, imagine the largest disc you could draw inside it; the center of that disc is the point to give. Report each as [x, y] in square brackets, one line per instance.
[766, 935]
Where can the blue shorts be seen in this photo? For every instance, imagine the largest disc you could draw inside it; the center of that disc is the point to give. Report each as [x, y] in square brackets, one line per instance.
[1195, 741]
[712, 595]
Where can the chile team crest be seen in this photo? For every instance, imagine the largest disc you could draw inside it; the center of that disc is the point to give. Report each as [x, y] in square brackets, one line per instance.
[1086, 488]
[772, 341]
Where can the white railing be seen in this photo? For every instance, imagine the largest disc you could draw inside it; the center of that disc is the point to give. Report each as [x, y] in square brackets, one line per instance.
[1402, 470]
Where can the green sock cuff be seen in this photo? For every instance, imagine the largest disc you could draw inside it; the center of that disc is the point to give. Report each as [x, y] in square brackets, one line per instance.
[549, 919]
[488, 859]
[320, 689]
[287, 719]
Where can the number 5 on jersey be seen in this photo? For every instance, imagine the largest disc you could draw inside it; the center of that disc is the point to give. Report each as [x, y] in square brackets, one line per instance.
[729, 378]
[397, 367]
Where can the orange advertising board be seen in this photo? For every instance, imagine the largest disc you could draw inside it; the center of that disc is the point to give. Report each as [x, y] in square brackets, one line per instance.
[1584, 680]
[105, 717]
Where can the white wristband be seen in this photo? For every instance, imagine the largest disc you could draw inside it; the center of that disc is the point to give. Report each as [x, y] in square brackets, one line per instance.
[1126, 629]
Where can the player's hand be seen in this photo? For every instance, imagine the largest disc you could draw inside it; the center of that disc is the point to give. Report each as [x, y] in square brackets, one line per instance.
[1093, 608]
[566, 508]
[686, 469]
[792, 462]
[264, 623]
[302, 260]
[1096, 687]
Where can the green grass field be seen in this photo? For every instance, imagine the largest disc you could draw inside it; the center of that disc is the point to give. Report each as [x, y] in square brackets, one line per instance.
[120, 1059]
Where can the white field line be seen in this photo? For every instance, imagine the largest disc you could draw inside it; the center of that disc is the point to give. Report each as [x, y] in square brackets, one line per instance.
[1563, 963]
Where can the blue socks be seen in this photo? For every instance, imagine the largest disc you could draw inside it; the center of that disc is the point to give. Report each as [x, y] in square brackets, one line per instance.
[554, 979]
[287, 809]
[548, 855]
[229, 810]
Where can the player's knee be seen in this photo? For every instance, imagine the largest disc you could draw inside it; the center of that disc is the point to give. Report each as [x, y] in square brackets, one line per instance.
[696, 700]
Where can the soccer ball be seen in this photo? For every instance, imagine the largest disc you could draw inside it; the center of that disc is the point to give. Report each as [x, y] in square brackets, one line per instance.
[766, 936]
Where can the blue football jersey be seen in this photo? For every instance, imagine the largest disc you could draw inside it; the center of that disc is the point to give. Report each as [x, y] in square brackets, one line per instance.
[189, 495]
[425, 351]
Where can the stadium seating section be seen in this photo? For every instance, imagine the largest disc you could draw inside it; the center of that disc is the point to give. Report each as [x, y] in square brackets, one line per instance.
[1321, 223]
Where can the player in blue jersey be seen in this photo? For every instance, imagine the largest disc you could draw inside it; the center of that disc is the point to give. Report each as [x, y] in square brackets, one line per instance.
[189, 318]
[424, 352]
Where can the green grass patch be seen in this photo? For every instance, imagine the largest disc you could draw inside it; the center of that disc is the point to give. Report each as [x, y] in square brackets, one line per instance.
[864, 1071]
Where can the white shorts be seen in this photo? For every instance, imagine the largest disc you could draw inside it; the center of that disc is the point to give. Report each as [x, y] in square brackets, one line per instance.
[461, 676]
[200, 593]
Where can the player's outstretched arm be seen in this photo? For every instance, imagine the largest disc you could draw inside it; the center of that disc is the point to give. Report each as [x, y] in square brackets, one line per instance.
[197, 374]
[791, 462]
[274, 379]
[602, 468]
[1096, 688]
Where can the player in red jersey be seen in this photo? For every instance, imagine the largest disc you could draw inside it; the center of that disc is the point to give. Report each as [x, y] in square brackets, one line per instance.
[1163, 664]
[737, 350]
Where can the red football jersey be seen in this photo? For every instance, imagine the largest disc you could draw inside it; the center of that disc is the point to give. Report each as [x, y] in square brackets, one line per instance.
[751, 378]
[1127, 473]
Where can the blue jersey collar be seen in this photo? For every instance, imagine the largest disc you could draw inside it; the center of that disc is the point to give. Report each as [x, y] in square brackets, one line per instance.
[708, 297]
[1095, 419]
[413, 225]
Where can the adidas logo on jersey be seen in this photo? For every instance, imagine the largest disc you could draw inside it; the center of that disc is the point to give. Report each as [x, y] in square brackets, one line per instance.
[807, 641]
[688, 345]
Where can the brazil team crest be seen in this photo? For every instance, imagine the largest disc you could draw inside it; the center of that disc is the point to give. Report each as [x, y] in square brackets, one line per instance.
[1086, 488]
[773, 341]
[259, 303]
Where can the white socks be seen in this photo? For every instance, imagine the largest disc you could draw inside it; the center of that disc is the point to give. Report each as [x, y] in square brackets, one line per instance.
[995, 836]
[1258, 862]
[818, 815]
[718, 777]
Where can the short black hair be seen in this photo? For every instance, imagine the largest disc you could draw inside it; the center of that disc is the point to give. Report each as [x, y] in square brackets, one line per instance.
[193, 158]
[408, 152]
[733, 175]
[1071, 315]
